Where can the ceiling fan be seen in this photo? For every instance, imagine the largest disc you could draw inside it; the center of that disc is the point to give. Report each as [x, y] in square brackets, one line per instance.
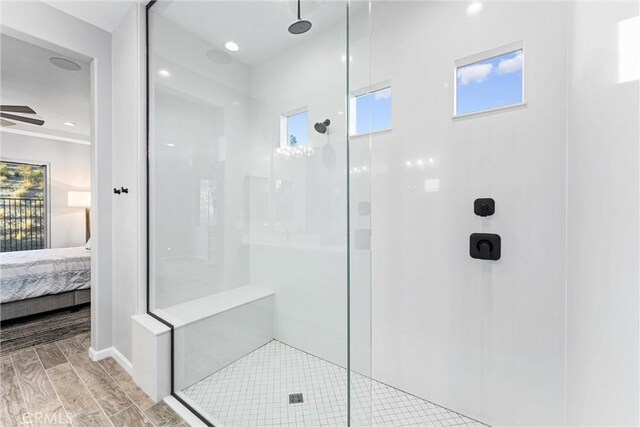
[8, 119]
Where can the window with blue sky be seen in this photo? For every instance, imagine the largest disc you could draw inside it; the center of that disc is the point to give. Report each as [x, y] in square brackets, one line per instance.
[371, 112]
[490, 83]
[298, 129]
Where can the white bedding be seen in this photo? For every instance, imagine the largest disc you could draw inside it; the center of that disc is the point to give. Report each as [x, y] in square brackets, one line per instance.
[30, 274]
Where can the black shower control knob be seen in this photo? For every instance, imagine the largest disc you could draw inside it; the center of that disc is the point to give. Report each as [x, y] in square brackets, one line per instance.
[485, 247]
[124, 190]
[484, 207]
[116, 191]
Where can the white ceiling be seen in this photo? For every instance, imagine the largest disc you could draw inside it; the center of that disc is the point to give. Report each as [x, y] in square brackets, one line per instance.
[105, 14]
[260, 27]
[27, 77]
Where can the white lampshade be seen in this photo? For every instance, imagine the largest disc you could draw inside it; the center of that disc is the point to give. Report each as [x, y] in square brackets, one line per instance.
[79, 199]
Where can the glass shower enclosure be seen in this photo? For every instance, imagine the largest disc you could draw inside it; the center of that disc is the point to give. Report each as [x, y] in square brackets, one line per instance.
[249, 232]
[502, 210]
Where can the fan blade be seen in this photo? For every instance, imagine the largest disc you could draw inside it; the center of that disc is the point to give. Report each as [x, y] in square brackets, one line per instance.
[22, 119]
[17, 109]
[6, 123]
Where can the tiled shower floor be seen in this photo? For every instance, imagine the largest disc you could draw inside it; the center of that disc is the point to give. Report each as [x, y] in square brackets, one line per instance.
[254, 391]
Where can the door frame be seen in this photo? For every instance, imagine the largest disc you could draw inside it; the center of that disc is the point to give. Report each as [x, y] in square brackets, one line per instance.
[40, 24]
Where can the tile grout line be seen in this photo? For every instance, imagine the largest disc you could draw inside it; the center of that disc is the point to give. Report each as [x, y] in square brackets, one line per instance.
[124, 392]
[66, 413]
[122, 410]
[24, 401]
[133, 405]
[84, 383]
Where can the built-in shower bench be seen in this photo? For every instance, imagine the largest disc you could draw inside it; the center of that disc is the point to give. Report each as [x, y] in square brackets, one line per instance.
[215, 330]
[193, 311]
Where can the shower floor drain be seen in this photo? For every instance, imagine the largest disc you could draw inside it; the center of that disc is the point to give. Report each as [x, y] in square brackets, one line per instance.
[296, 398]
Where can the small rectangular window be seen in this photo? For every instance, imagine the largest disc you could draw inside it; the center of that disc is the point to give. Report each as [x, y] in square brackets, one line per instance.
[296, 129]
[491, 82]
[370, 112]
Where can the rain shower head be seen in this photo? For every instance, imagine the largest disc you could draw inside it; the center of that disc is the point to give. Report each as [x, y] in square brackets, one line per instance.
[300, 26]
[321, 127]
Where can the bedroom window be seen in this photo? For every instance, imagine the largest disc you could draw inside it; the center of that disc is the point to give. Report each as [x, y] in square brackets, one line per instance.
[23, 210]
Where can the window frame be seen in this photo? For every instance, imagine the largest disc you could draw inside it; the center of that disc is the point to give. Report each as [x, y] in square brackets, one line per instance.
[284, 125]
[485, 56]
[353, 109]
[47, 193]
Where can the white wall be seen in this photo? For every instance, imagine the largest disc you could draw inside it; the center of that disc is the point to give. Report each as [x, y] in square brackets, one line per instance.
[126, 217]
[483, 338]
[603, 212]
[69, 169]
[41, 24]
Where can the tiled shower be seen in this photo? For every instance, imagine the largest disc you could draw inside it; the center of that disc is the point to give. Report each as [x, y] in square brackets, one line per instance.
[413, 213]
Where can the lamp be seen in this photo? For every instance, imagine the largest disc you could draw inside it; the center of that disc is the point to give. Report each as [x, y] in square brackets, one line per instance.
[81, 199]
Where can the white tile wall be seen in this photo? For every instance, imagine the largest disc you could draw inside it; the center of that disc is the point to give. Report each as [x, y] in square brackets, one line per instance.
[198, 131]
[603, 346]
[483, 338]
[298, 245]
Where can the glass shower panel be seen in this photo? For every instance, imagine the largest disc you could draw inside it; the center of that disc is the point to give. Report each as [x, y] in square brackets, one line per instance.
[360, 397]
[248, 189]
[198, 156]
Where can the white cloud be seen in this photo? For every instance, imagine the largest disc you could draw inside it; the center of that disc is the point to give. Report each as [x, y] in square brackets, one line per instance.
[511, 65]
[474, 73]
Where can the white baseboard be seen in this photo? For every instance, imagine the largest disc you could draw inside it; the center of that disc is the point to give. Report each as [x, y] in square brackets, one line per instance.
[99, 355]
[111, 352]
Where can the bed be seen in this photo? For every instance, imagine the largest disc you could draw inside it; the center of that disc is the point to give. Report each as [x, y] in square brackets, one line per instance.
[33, 282]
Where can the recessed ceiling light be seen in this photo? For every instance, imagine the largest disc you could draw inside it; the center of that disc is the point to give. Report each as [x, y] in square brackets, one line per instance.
[164, 73]
[65, 64]
[69, 124]
[474, 8]
[171, 145]
[232, 46]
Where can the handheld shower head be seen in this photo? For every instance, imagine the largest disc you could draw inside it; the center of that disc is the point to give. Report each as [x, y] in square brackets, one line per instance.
[321, 127]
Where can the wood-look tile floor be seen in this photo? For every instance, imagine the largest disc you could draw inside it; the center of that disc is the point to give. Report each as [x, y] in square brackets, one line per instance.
[57, 384]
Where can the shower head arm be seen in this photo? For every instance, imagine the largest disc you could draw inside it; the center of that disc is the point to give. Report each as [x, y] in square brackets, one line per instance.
[300, 26]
